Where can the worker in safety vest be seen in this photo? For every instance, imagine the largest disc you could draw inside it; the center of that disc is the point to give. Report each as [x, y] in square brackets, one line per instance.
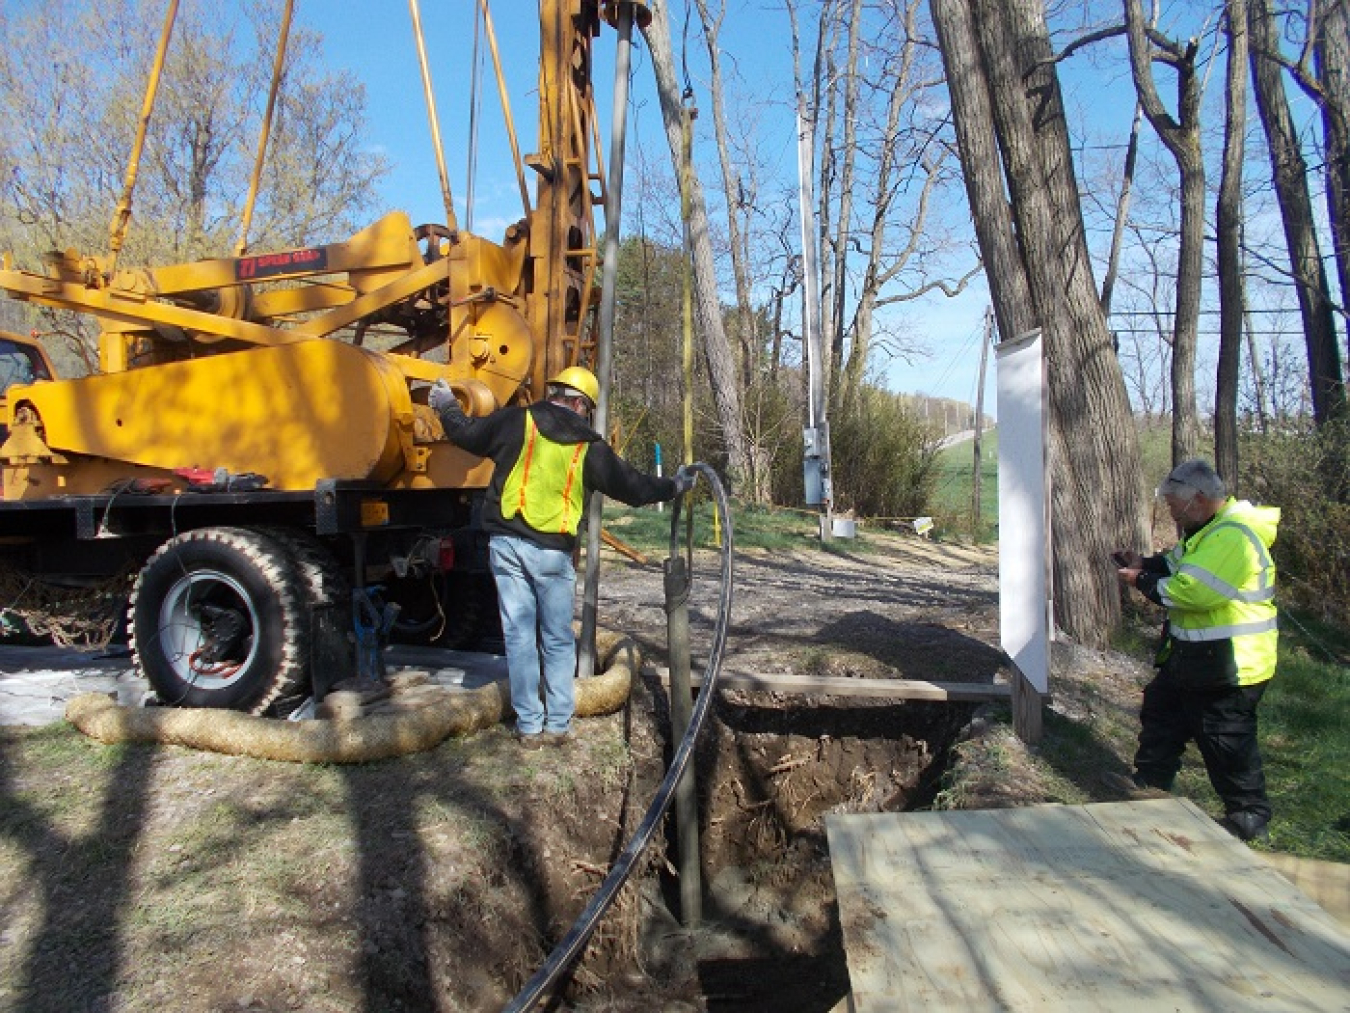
[1218, 648]
[547, 460]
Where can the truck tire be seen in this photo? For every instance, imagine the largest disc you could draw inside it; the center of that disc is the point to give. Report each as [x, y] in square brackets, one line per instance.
[327, 595]
[321, 578]
[218, 619]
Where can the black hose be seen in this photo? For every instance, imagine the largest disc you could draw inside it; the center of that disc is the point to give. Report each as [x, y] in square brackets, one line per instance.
[571, 944]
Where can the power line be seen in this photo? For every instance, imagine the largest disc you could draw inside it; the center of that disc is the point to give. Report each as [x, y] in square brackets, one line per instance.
[960, 354]
[1150, 313]
[1208, 334]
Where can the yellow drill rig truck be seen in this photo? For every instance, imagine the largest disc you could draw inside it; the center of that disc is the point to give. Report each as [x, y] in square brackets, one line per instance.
[262, 475]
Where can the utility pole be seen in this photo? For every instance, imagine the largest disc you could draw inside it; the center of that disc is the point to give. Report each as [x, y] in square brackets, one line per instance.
[975, 518]
[816, 436]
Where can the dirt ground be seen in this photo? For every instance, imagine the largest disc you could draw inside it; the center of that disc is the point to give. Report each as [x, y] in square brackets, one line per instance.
[138, 878]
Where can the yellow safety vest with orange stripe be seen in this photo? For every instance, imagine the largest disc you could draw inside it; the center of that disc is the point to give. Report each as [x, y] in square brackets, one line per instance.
[545, 486]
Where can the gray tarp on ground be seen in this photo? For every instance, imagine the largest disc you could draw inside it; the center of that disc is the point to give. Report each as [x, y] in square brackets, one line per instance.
[36, 682]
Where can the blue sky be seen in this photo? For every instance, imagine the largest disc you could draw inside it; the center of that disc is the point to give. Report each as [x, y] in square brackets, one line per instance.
[379, 49]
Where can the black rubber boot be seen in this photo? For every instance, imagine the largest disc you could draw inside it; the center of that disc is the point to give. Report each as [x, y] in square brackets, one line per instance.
[1246, 826]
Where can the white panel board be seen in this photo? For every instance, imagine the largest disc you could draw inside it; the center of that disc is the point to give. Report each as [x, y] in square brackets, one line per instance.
[1023, 509]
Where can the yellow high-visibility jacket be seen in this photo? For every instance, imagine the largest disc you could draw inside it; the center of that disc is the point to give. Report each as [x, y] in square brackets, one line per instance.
[1219, 592]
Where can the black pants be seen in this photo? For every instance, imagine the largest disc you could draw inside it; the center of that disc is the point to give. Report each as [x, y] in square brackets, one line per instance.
[1223, 724]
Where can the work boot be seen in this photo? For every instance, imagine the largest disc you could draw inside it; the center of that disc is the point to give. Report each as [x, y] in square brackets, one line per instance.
[556, 738]
[1246, 826]
[529, 740]
[1131, 787]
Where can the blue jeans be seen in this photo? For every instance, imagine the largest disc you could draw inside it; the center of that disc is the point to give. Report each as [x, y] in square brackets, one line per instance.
[535, 590]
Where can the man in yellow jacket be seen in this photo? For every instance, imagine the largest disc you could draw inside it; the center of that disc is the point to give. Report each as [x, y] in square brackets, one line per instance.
[1218, 650]
[547, 458]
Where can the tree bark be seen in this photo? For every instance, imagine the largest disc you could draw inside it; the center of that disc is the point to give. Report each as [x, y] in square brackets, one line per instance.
[1001, 74]
[726, 392]
[836, 327]
[759, 475]
[1181, 136]
[1291, 188]
[1228, 223]
[1331, 53]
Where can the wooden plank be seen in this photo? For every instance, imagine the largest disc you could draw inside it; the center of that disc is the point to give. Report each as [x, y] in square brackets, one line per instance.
[886, 689]
[1028, 707]
[1327, 883]
[1120, 906]
[623, 548]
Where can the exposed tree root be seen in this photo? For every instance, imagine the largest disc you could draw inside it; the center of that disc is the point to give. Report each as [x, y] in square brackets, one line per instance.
[346, 740]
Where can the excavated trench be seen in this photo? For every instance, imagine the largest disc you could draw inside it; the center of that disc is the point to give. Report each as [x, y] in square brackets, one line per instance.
[770, 771]
[772, 766]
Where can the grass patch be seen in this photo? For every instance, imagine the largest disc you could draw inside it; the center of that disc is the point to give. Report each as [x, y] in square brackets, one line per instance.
[956, 478]
[1306, 748]
[1092, 728]
[753, 527]
[611, 761]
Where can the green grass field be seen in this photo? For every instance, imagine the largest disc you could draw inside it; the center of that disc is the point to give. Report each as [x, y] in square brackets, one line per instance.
[952, 495]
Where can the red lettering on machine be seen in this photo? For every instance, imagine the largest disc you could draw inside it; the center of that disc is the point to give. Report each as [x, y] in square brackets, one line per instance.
[270, 265]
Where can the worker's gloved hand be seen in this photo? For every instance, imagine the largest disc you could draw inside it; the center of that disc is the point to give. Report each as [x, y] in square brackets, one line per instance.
[442, 399]
[684, 479]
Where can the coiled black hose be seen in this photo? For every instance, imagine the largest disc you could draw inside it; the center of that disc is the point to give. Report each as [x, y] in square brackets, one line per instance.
[571, 944]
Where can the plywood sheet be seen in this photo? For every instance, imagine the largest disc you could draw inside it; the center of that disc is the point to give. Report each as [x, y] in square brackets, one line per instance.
[1121, 906]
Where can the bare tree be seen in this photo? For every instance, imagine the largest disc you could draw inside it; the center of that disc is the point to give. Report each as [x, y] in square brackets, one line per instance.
[738, 201]
[741, 195]
[726, 388]
[911, 162]
[1122, 211]
[1181, 136]
[1291, 187]
[1145, 346]
[72, 78]
[883, 156]
[1009, 114]
[1228, 223]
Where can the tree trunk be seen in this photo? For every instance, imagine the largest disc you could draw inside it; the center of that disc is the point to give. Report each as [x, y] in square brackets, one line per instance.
[1002, 78]
[1122, 212]
[1258, 374]
[1182, 138]
[726, 392]
[1291, 188]
[735, 201]
[1331, 53]
[1228, 223]
[973, 119]
[759, 478]
[836, 327]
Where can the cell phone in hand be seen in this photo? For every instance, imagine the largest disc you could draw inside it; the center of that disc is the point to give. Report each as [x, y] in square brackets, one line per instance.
[1122, 560]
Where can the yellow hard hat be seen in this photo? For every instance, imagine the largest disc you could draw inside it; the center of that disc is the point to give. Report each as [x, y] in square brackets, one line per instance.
[579, 379]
